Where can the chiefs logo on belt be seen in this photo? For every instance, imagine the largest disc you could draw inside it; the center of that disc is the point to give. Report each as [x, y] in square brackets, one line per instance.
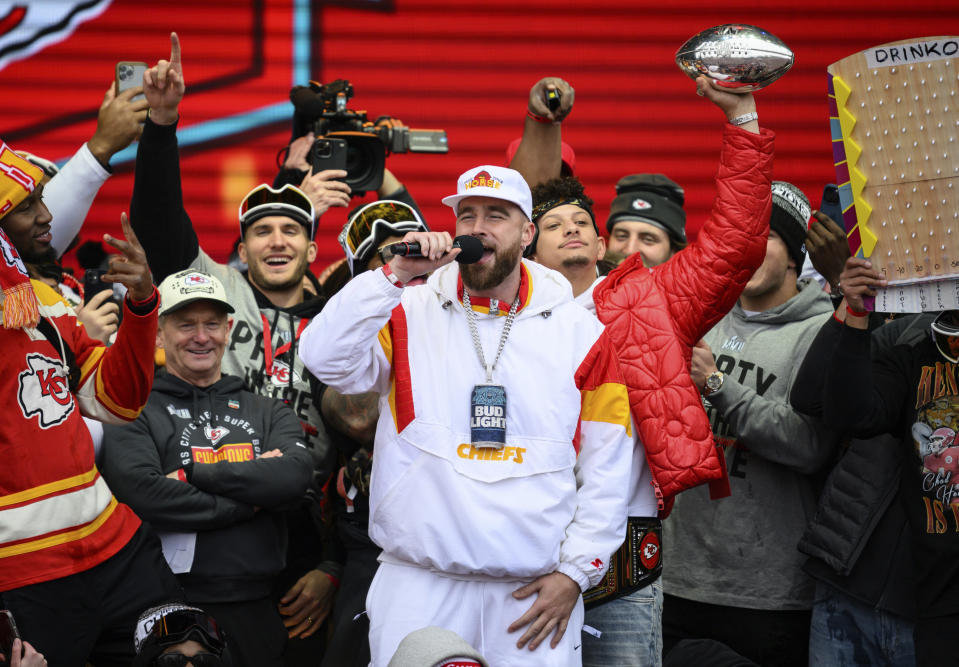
[45, 391]
[649, 551]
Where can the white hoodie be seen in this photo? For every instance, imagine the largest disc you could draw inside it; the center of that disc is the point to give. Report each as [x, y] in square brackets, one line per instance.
[534, 507]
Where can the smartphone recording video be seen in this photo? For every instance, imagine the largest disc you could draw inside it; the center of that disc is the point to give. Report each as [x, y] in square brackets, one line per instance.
[129, 75]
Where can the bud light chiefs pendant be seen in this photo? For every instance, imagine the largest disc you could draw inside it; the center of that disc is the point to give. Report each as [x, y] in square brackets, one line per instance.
[488, 416]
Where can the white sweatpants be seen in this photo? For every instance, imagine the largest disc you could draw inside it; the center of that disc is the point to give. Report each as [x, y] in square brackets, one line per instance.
[405, 598]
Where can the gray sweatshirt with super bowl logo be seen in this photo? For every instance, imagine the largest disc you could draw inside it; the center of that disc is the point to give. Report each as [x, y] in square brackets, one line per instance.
[740, 551]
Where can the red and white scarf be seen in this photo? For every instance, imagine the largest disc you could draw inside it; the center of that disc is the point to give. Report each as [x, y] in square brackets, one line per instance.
[18, 180]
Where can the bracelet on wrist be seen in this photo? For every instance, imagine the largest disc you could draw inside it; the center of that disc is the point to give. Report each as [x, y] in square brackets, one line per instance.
[856, 313]
[538, 118]
[745, 118]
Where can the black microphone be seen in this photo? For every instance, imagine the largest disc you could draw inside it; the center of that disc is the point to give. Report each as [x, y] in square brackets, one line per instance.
[471, 249]
[306, 101]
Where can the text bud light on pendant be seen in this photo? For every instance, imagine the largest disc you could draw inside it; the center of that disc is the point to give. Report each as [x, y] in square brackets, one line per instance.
[488, 416]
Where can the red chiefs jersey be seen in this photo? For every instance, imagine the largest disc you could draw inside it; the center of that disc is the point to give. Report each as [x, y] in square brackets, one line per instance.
[57, 515]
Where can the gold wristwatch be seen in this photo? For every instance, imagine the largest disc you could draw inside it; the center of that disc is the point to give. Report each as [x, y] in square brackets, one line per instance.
[714, 382]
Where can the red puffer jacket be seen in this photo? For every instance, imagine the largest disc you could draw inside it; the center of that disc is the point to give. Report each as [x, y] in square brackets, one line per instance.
[656, 316]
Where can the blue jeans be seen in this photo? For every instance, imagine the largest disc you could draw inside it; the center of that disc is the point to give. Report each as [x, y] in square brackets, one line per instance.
[846, 632]
[632, 630]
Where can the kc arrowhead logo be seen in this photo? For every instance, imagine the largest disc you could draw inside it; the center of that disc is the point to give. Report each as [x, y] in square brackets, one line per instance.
[649, 551]
[44, 391]
[214, 435]
[281, 375]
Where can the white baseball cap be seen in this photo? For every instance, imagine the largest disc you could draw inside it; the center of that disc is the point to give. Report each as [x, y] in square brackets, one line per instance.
[183, 288]
[495, 182]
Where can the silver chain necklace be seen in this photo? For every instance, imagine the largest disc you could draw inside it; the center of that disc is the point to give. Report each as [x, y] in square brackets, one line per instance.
[474, 332]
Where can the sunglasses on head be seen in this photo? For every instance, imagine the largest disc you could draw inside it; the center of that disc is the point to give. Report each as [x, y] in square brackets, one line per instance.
[377, 221]
[288, 200]
[180, 660]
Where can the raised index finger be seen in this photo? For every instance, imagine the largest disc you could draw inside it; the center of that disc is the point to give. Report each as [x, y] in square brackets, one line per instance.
[175, 51]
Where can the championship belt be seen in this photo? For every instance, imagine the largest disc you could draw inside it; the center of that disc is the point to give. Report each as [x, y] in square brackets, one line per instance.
[635, 565]
[895, 139]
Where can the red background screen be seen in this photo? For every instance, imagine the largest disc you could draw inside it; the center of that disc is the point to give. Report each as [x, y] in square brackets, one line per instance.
[463, 67]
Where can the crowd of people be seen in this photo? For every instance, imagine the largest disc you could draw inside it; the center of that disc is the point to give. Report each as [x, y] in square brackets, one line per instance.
[553, 448]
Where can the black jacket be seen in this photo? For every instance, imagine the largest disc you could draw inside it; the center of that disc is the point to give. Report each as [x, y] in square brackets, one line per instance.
[859, 538]
[164, 228]
[231, 497]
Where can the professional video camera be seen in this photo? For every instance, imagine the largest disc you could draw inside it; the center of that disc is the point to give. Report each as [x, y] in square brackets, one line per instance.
[345, 139]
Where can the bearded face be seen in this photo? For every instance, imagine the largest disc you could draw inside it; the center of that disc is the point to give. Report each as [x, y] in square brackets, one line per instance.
[504, 231]
[478, 277]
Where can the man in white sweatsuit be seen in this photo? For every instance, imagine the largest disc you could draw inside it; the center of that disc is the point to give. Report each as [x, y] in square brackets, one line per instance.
[495, 543]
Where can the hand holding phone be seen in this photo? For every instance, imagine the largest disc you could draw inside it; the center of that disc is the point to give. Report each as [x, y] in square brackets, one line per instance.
[826, 239]
[129, 75]
[93, 284]
[328, 153]
[8, 632]
[830, 203]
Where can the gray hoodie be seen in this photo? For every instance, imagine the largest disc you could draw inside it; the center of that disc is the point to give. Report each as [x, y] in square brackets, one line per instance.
[741, 551]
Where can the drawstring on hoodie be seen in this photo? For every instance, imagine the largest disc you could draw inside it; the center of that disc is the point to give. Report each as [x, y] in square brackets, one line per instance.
[196, 408]
[294, 345]
[70, 367]
[211, 399]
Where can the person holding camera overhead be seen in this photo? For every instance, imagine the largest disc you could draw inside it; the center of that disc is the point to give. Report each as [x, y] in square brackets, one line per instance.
[271, 311]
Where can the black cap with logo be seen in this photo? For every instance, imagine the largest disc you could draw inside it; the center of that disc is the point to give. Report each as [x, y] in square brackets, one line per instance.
[652, 198]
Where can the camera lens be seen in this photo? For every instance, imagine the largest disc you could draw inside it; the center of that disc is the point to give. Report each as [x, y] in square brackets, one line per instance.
[355, 159]
[364, 163]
